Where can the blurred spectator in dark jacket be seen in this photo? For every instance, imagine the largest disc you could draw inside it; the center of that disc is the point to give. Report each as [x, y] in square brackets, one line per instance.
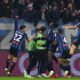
[20, 7]
[14, 3]
[30, 14]
[42, 14]
[76, 16]
[5, 9]
[38, 4]
[55, 15]
[77, 4]
[27, 2]
[66, 13]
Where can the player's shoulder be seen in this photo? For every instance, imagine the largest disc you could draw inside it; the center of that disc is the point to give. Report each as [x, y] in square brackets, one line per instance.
[78, 24]
[24, 33]
[17, 31]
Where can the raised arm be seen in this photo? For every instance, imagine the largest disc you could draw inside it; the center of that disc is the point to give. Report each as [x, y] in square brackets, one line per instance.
[70, 27]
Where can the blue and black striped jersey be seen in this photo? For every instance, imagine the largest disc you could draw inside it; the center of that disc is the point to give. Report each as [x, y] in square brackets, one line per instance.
[18, 39]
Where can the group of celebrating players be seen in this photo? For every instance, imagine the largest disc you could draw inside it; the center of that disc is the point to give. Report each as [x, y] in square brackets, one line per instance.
[41, 49]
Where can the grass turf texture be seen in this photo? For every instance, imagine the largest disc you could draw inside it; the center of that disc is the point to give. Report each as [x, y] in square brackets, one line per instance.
[22, 78]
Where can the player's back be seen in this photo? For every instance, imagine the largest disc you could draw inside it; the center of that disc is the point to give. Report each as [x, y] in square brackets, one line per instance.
[18, 39]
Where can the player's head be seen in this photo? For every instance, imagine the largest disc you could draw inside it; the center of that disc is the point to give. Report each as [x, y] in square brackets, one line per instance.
[22, 28]
[41, 29]
[60, 30]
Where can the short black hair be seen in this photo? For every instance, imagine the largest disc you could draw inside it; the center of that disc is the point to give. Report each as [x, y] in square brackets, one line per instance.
[60, 30]
[41, 28]
[22, 27]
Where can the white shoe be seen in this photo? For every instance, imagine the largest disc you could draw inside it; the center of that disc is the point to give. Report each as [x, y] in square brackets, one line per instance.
[9, 74]
[66, 73]
[26, 75]
[39, 76]
[44, 75]
[51, 73]
[6, 69]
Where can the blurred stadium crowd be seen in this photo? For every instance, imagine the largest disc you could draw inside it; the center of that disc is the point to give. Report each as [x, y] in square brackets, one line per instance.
[51, 11]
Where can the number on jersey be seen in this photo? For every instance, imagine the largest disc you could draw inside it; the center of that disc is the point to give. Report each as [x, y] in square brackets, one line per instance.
[65, 40]
[17, 37]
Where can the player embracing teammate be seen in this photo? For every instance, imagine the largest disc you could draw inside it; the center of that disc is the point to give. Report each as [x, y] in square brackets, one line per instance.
[19, 37]
[41, 51]
[46, 46]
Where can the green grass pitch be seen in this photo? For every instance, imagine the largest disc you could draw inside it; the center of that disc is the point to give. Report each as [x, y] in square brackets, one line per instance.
[22, 78]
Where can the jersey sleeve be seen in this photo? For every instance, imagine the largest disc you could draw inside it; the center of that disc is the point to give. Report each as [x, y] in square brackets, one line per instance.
[78, 25]
[26, 37]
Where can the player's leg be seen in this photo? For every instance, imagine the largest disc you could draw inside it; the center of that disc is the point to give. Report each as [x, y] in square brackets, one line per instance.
[73, 47]
[50, 64]
[32, 63]
[55, 45]
[9, 59]
[44, 63]
[62, 65]
[12, 65]
[65, 64]
[14, 60]
[8, 62]
[67, 69]
[51, 58]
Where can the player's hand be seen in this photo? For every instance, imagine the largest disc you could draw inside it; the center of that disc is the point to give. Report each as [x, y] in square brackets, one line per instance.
[66, 27]
[26, 51]
[32, 37]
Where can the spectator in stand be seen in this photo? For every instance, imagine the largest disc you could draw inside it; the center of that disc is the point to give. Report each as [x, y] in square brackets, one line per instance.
[70, 10]
[5, 7]
[30, 14]
[53, 15]
[76, 15]
[79, 15]
[33, 10]
[20, 7]
[77, 4]
[66, 13]
[37, 5]
[43, 13]
[27, 2]
[14, 3]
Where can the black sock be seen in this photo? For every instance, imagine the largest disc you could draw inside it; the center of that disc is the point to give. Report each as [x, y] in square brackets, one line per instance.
[65, 67]
[70, 55]
[30, 67]
[68, 68]
[62, 67]
[50, 66]
[32, 63]
[55, 59]
[7, 63]
[12, 66]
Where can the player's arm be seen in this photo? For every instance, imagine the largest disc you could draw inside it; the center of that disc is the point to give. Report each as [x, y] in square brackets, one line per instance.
[26, 38]
[32, 38]
[71, 27]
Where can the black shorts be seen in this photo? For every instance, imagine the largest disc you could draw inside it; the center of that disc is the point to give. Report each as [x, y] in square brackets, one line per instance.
[76, 42]
[65, 54]
[14, 51]
[42, 55]
[32, 56]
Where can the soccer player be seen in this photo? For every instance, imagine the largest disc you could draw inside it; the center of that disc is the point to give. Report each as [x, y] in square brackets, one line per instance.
[76, 42]
[64, 53]
[41, 46]
[32, 58]
[51, 50]
[19, 37]
[35, 56]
